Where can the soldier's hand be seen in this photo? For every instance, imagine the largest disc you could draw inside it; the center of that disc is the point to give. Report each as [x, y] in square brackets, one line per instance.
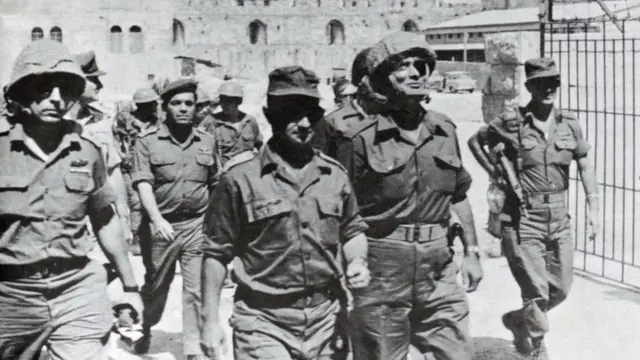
[594, 224]
[134, 299]
[472, 272]
[213, 341]
[358, 275]
[161, 229]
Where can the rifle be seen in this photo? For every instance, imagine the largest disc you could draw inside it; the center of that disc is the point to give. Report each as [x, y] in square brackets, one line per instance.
[511, 178]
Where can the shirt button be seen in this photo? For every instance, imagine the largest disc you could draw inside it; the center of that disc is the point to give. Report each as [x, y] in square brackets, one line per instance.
[305, 224]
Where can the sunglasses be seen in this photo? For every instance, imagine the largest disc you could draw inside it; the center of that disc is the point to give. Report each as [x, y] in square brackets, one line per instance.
[41, 87]
[419, 64]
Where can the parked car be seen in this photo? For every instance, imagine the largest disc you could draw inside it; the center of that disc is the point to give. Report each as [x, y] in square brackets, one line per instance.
[435, 81]
[458, 81]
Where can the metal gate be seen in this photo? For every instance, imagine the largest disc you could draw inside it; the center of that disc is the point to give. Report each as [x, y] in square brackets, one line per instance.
[599, 59]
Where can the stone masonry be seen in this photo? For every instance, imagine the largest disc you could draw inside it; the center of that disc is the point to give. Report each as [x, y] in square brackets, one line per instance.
[506, 54]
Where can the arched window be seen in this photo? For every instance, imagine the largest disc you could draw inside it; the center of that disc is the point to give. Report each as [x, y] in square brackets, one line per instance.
[257, 33]
[267, 2]
[115, 39]
[410, 26]
[37, 34]
[178, 33]
[335, 32]
[136, 40]
[56, 34]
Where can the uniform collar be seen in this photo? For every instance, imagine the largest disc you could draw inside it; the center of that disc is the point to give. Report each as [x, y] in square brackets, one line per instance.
[70, 139]
[270, 162]
[220, 119]
[385, 126]
[164, 133]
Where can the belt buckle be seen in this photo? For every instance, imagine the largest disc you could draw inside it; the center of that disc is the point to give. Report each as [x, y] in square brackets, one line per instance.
[416, 233]
[545, 198]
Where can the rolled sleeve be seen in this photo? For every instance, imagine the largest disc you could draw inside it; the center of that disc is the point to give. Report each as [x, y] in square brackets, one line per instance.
[142, 164]
[104, 195]
[221, 222]
[352, 224]
[583, 147]
[463, 184]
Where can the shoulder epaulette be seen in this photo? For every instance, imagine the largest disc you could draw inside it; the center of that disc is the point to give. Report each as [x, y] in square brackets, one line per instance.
[86, 135]
[441, 119]
[566, 114]
[203, 131]
[357, 128]
[331, 160]
[239, 160]
[148, 131]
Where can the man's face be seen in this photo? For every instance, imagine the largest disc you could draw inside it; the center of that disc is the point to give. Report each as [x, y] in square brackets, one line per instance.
[148, 109]
[181, 109]
[202, 109]
[410, 77]
[49, 98]
[544, 90]
[229, 104]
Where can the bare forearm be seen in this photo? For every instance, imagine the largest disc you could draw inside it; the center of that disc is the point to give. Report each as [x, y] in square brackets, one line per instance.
[356, 247]
[111, 240]
[122, 205]
[465, 215]
[148, 200]
[213, 275]
[589, 182]
[476, 145]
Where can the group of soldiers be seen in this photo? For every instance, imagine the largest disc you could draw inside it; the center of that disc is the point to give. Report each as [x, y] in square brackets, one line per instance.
[337, 230]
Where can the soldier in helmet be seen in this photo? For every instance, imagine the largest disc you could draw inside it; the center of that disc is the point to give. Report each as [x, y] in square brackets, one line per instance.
[128, 126]
[53, 177]
[235, 131]
[407, 172]
[203, 107]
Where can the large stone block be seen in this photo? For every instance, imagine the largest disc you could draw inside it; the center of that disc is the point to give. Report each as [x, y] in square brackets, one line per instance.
[511, 47]
[493, 105]
[505, 80]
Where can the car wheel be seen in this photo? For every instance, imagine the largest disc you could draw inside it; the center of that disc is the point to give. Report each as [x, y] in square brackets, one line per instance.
[452, 90]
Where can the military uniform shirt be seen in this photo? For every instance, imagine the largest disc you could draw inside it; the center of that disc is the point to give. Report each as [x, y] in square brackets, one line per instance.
[545, 161]
[332, 128]
[397, 182]
[284, 233]
[127, 129]
[99, 127]
[44, 204]
[233, 140]
[180, 174]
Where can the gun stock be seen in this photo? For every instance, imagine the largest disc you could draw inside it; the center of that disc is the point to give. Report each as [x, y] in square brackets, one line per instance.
[512, 181]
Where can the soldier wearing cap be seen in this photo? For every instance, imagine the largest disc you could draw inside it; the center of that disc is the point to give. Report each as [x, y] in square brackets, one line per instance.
[52, 176]
[203, 107]
[236, 132]
[98, 124]
[541, 141]
[175, 167]
[128, 126]
[408, 175]
[288, 219]
[332, 129]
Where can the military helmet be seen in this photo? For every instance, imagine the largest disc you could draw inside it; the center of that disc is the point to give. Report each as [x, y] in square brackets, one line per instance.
[45, 57]
[145, 95]
[202, 95]
[231, 89]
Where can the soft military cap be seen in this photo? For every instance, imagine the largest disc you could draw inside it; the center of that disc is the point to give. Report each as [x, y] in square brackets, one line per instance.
[386, 54]
[231, 89]
[178, 86]
[293, 80]
[540, 68]
[145, 95]
[88, 64]
[45, 57]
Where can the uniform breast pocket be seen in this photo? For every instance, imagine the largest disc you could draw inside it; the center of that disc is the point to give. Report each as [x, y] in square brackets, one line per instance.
[79, 182]
[532, 155]
[269, 216]
[330, 210]
[448, 166]
[565, 149]
[164, 167]
[204, 162]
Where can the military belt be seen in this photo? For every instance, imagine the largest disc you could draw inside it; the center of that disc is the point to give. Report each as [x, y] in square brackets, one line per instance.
[42, 269]
[418, 232]
[310, 297]
[546, 198]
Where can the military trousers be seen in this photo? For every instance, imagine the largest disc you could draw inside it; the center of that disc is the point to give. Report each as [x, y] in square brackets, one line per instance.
[69, 314]
[539, 250]
[160, 257]
[262, 333]
[413, 299]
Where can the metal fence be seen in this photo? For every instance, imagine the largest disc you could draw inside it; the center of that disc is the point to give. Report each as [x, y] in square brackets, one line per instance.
[599, 61]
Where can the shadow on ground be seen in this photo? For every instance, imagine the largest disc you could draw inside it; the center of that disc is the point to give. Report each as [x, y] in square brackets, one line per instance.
[624, 295]
[164, 342]
[489, 348]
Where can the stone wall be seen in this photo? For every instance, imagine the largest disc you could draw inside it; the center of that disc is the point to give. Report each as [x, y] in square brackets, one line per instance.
[506, 53]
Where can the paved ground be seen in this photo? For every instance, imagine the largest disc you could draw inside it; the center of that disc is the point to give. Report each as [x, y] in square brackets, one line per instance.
[596, 322]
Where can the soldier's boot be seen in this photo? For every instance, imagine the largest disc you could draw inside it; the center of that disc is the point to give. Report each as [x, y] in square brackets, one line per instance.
[539, 351]
[513, 322]
[142, 345]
